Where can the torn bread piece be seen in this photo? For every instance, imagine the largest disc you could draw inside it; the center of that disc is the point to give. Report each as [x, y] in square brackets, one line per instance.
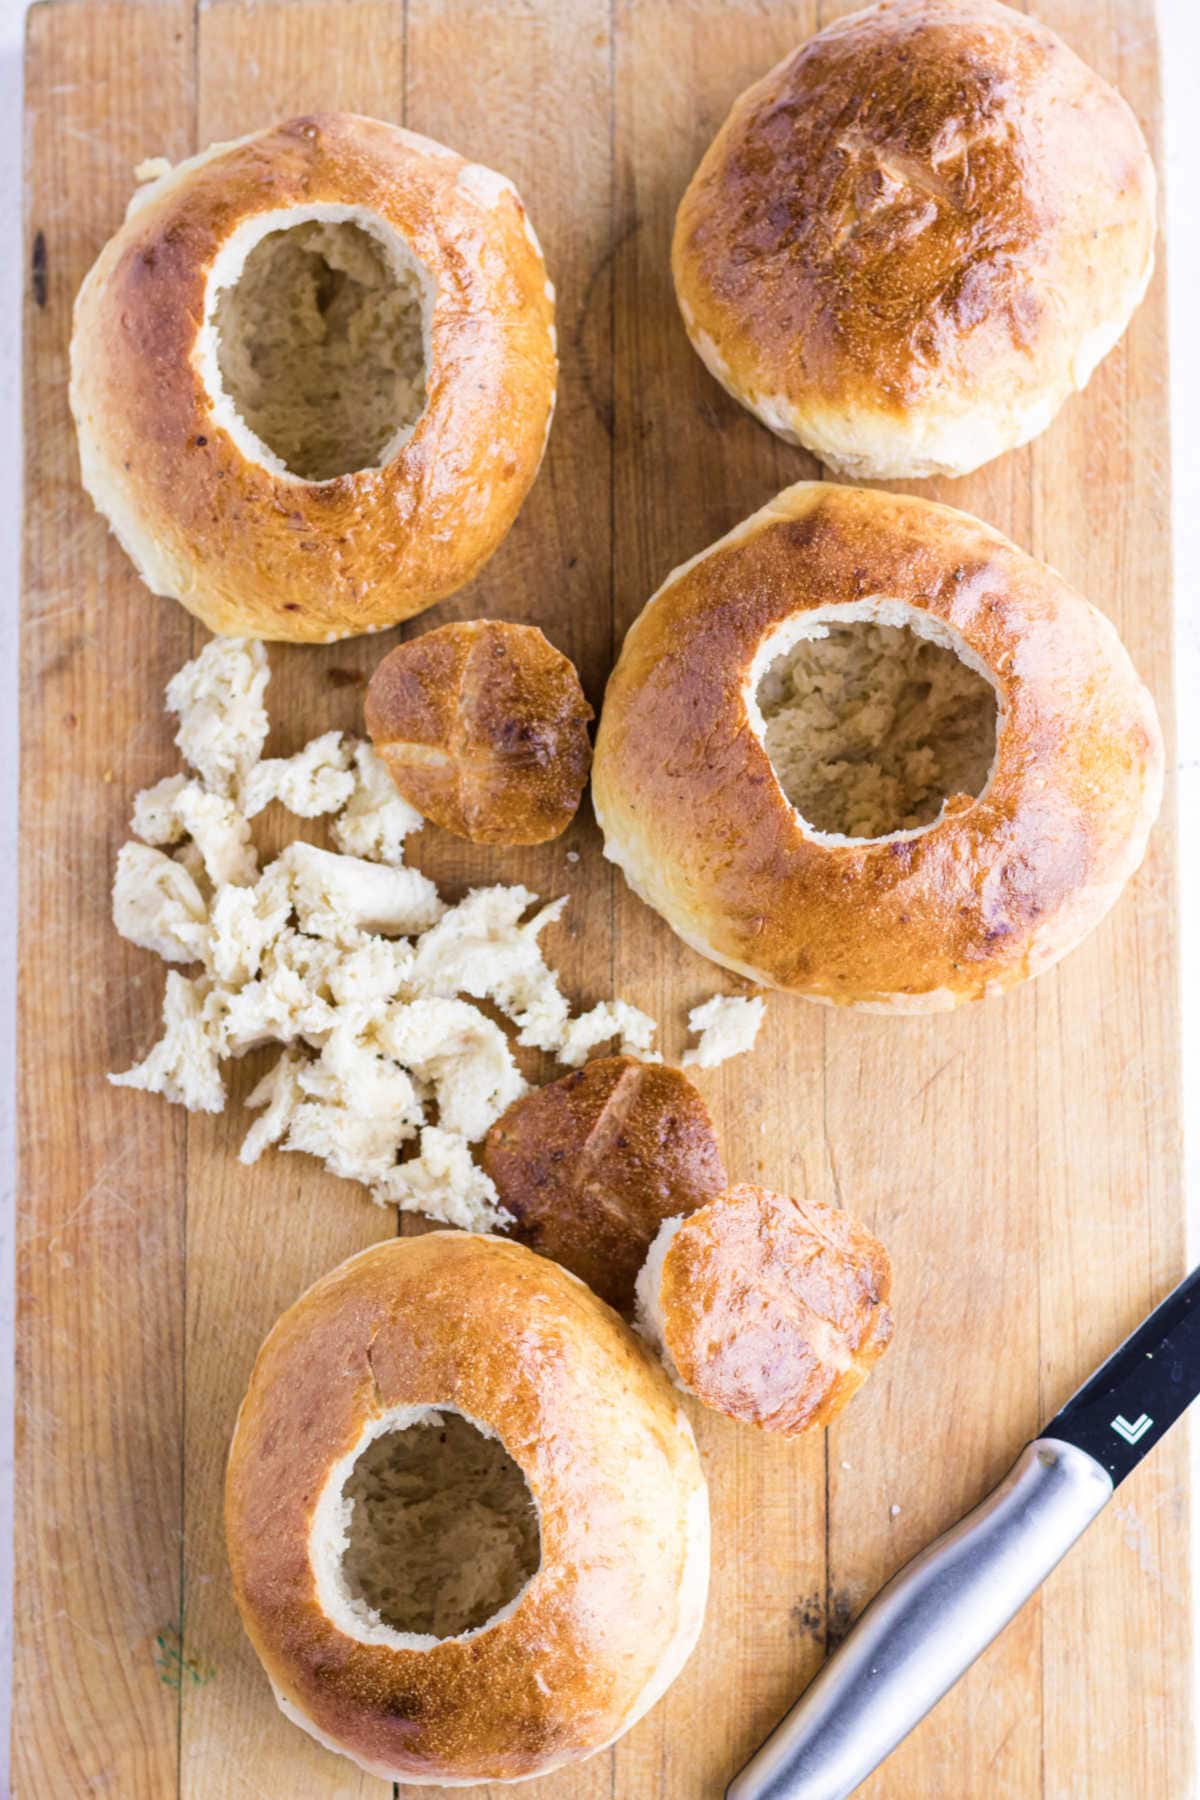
[221, 835]
[376, 818]
[463, 1055]
[188, 856]
[287, 1002]
[726, 1025]
[184, 1065]
[610, 1019]
[178, 808]
[278, 1095]
[157, 905]
[482, 948]
[445, 1183]
[156, 817]
[222, 718]
[375, 972]
[356, 1107]
[315, 780]
[345, 898]
[246, 921]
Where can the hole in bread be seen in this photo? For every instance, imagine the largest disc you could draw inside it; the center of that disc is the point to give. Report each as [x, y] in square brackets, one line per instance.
[317, 329]
[440, 1529]
[874, 715]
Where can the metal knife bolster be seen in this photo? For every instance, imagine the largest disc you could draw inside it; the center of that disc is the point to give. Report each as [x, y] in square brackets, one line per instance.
[928, 1625]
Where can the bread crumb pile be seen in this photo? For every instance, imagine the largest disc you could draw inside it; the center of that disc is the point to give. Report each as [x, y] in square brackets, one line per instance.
[348, 959]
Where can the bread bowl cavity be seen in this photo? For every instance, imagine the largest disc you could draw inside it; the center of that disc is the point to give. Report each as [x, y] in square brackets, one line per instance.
[316, 340]
[873, 714]
[426, 1530]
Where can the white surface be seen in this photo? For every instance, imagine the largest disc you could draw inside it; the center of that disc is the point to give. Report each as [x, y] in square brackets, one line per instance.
[1180, 24]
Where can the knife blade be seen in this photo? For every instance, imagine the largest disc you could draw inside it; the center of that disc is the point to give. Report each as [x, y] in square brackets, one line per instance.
[928, 1625]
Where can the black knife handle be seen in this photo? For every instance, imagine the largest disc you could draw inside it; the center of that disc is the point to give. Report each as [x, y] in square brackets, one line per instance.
[1122, 1410]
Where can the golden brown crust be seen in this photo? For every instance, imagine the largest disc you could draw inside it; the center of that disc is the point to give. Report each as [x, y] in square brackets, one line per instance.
[591, 1165]
[774, 1310]
[253, 552]
[483, 727]
[996, 889]
[517, 1345]
[914, 237]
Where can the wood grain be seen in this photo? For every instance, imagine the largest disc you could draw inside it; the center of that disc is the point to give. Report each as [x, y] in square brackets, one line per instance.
[1021, 1161]
[100, 1254]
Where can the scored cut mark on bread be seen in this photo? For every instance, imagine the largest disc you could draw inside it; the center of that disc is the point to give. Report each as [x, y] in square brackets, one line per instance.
[590, 1165]
[483, 727]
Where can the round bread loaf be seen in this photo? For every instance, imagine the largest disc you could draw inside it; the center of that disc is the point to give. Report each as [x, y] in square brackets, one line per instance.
[465, 1516]
[867, 750]
[590, 1166]
[313, 376]
[915, 237]
[483, 727]
[768, 1309]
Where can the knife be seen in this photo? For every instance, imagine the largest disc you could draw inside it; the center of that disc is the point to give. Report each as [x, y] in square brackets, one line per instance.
[928, 1625]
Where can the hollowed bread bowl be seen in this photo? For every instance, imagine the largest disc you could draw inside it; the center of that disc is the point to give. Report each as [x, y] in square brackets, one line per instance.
[312, 376]
[465, 1514]
[917, 667]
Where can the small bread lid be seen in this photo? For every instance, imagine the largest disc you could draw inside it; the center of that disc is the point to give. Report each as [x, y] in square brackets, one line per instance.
[769, 1309]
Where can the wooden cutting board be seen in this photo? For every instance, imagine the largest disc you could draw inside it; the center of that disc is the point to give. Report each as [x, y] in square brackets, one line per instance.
[1021, 1159]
